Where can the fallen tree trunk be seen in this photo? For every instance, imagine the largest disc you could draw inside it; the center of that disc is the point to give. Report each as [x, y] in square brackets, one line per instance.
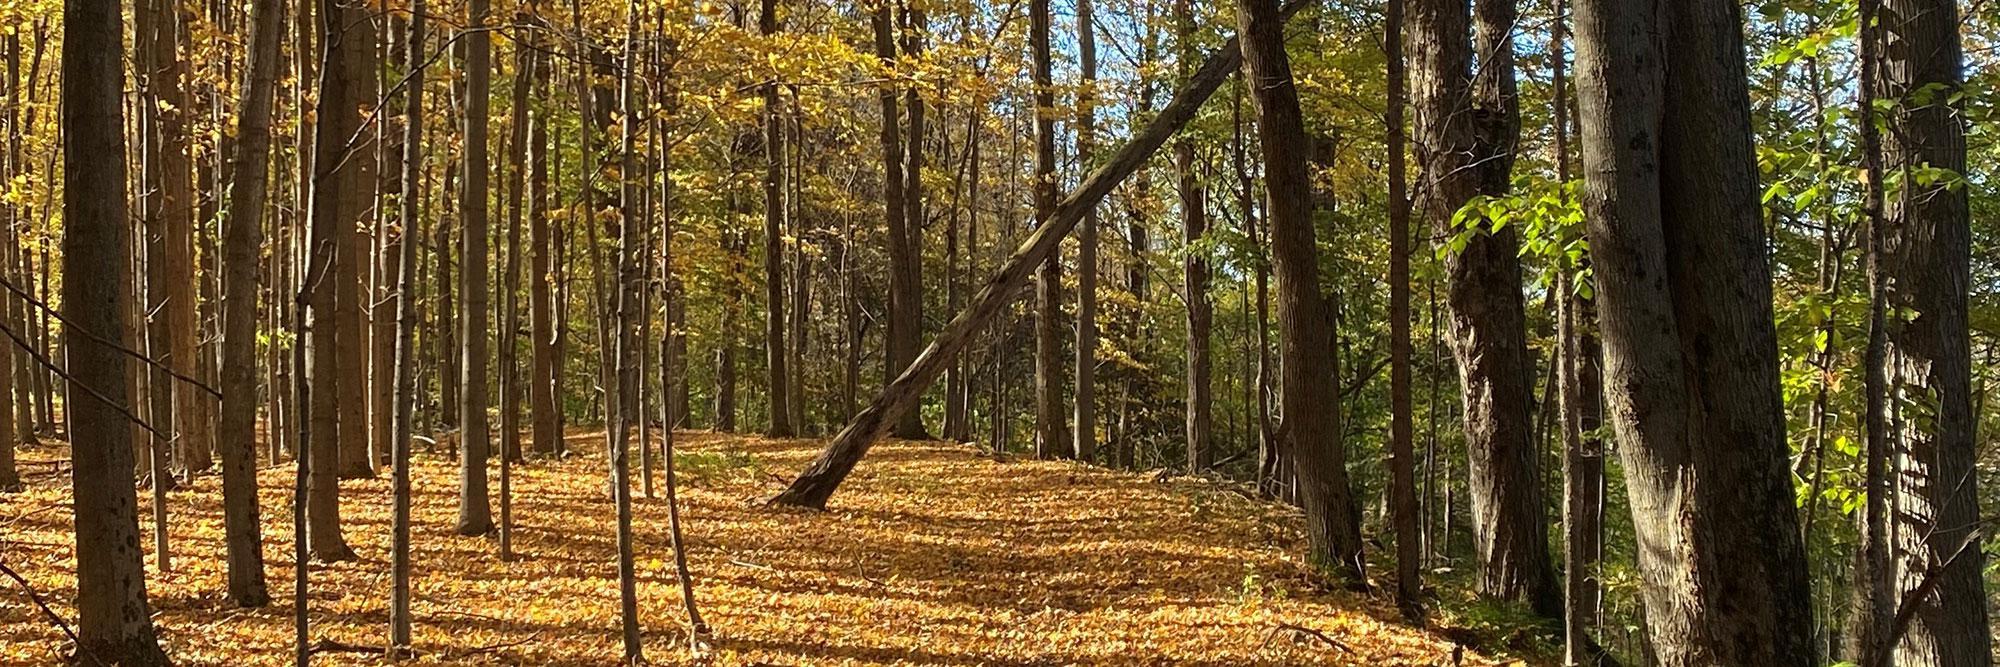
[818, 482]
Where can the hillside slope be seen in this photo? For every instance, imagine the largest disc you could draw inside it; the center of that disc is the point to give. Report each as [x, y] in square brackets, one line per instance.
[930, 555]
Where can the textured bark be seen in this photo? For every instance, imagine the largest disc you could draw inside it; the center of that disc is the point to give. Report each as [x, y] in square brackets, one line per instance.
[475, 511]
[1690, 352]
[1085, 440]
[1402, 474]
[243, 238]
[630, 277]
[1194, 268]
[775, 352]
[509, 325]
[114, 621]
[1051, 435]
[404, 411]
[905, 324]
[1925, 260]
[1467, 126]
[339, 118]
[16, 388]
[170, 270]
[823, 476]
[351, 260]
[1310, 434]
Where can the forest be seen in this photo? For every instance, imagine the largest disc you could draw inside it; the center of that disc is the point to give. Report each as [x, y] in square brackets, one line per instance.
[1000, 332]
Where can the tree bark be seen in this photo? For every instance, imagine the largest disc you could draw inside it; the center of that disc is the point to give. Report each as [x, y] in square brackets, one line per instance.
[1468, 124]
[1690, 352]
[1926, 256]
[406, 328]
[1194, 267]
[338, 122]
[1402, 451]
[243, 232]
[823, 476]
[775, 352]
[1085, 439]
[1310, 434]
[1051, 436]
[114, 621]
[475, 512]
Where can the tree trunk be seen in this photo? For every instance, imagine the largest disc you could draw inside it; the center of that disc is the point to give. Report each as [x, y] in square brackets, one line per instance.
[775, 352]
[352, 295]
[1051, 436]
[544, 385]
[905, 282]
[630, 278]
[1684, 298]
[243, 230]
[1310, 434]
[338, 121]
[475, 513]
[823, 476]
[1086, 255]
[1402, 474]
[1200, 312]
[406, 327]
[114, 621]
[1469, 124]
[1926, 254]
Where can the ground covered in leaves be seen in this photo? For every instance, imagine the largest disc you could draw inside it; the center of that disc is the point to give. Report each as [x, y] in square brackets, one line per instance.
[931, 554]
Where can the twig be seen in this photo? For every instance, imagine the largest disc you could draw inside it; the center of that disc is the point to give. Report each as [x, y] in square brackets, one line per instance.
[53, 617]
[44, 361]
[1297, 629]
[44, 307]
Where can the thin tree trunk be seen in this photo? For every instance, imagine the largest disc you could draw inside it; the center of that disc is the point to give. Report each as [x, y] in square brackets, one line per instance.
[1402, 477]
[628, 313]
[775, 351]
[243, 231]
[1085, 439]
[1200, 311]
[1051, 436]
[410, 219]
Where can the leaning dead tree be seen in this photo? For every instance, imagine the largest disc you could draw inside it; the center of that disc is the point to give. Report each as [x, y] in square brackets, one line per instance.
[818, 482]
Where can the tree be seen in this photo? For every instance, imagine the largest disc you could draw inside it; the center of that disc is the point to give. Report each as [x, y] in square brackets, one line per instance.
[406, 328]
[774, 247]
[1684, 311]
[823, 476]
[243, 232]
[905, 284]
[1926, 244]
[1085, 440]
[475, 513]
[341, 33]
[1310, 434]
[630, 277]
[114, 620]
[1402, 475]
[1467, 125]
[1051, 436]
[1200, 311]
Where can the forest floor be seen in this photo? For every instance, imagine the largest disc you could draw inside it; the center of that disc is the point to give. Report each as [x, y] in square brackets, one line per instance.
[930, 554]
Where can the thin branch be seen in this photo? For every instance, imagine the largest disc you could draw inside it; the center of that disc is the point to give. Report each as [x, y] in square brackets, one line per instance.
[141, 356]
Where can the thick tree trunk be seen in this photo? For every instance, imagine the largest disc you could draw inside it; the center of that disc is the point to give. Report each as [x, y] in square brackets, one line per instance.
[114, 621]
[243, 231]
[1468, 125]
[544, 385]
[905, 284]
[1310, 434]
[819, 480]
[475, 512]
[1934, 530]
[352, 295]
[1690, 352]
[1200, 311]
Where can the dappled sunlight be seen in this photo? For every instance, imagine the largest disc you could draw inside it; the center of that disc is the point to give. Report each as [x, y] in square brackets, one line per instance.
[930, 554]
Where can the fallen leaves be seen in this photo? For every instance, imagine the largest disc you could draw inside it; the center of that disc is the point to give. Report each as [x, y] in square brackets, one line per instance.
[934, 556]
